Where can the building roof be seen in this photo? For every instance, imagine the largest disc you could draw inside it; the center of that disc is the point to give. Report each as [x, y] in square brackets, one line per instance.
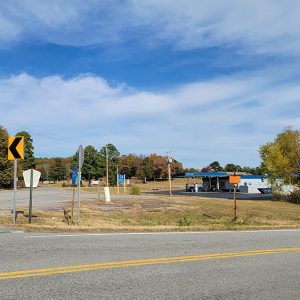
[207, 174]
[223, 174]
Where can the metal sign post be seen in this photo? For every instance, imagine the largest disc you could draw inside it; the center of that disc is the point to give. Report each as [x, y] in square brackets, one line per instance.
[15, 152]
[234, 198]
[80, 163]
[15, 190]
[30, 196]
[169, 162]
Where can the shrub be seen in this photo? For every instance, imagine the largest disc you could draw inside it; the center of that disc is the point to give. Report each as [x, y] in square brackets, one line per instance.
[135, 190]
[294, 197]
[184, 221]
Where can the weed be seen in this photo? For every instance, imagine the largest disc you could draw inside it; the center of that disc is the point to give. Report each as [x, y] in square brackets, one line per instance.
[184, 221]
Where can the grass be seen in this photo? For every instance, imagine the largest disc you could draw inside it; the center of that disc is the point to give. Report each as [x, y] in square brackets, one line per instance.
[175, 213]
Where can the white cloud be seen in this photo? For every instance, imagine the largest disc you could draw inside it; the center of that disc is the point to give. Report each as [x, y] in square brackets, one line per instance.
[259, 26]
[225, 119]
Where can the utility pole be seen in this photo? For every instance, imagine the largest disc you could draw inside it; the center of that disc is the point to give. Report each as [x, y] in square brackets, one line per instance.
[106, 150]
[118, 185]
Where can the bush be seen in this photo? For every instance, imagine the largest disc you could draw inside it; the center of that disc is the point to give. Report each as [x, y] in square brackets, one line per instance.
[294, 197]
[63, 184]
[135, 190]
[184, 221]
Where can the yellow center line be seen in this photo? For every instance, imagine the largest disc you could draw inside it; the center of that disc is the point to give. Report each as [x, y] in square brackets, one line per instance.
[134, 263]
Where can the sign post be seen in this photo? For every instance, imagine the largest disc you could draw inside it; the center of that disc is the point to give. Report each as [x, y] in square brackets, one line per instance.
[80, 163]
[235, 180]
[15, 190]
[169, 162]
[15, 153]
[31, 180]
[74, 181]
[122, 179]
[30, 196]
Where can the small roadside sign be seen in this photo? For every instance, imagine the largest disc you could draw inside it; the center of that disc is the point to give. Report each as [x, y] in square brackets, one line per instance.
[80, 156]
[121, 178]
[75, 176]
[36, 178]
[234, 179]
[15, 148]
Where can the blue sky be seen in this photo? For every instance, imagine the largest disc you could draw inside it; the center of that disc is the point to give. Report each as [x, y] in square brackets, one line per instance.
[207, 80]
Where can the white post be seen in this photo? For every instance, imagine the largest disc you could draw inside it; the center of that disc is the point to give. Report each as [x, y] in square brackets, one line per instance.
[106, 194]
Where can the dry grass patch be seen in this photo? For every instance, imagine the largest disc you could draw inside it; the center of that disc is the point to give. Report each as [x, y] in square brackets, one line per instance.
[167, 214]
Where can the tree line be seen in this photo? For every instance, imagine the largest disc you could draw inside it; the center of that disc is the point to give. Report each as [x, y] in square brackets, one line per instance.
[150, 167]
[143, 167]
[280, 159]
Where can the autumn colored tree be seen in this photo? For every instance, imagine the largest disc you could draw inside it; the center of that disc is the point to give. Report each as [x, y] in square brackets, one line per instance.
[130, 165]
[281, 158]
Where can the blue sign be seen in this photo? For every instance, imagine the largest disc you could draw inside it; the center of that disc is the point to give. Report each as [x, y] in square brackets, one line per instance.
[75, 176]
[121, 178]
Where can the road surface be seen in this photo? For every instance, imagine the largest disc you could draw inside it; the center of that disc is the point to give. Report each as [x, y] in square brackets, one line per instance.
[51, 198]
[215, 265]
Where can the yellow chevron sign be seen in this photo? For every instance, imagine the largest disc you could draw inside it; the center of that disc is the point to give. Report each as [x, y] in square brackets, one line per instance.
[15, 148]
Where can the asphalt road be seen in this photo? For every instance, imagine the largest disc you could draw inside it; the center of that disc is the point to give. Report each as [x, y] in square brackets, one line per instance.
[50, 198]
[215, 265]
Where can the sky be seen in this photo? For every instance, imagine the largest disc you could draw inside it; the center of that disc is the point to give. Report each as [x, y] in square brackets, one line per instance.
[206, 80]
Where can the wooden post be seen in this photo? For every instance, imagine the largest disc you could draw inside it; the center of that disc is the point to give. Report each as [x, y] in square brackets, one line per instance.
[72, 208]
[234, 200]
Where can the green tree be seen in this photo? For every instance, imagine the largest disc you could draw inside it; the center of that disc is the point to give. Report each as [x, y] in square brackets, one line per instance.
[281, 158]
[57, 169]
[232, 168]
[215, 165]
[93, 164]
[113, 161]
[6, 167]
[29, 160]
[147, 169]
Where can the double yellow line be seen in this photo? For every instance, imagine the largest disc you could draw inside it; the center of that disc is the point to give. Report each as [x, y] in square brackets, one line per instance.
[135, 263]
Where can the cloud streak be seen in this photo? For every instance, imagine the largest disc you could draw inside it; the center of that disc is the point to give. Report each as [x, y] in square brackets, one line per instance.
[259, 26]
[199, 122]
